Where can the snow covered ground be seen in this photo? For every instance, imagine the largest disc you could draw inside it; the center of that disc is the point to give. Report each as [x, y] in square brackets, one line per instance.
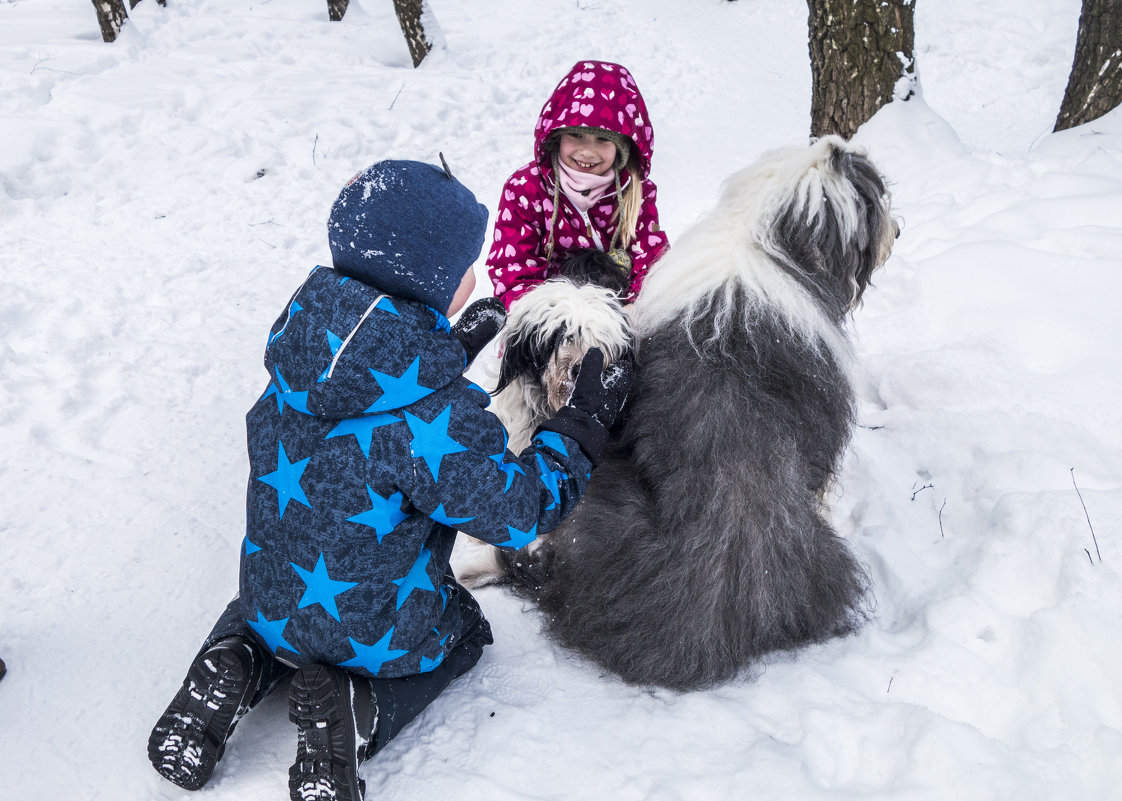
[161, 197]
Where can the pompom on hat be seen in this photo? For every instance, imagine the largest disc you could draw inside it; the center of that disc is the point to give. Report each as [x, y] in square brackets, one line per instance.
[407, 228]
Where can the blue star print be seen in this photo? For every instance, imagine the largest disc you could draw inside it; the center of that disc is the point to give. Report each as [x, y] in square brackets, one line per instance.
[416, 579]
[431, 441]
[400, 390]
[519, 538]
[440, 516]
[372, 657]
[334, 342]
[250, 547]
[285, 395]
[384, 514]
[321, 588]
[510, 468]
[551, 439]
[552, 481]
[272, 632]
[429, 664]
[363, 429]
[385, 305]
[286, 480]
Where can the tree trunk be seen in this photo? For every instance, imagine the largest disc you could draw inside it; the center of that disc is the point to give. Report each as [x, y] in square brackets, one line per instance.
[111, 15]
[1095, 84]
[409, 14]
[336, 9]
[859, 52]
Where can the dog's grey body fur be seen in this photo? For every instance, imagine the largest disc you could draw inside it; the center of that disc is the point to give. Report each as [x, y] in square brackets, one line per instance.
[702, 542]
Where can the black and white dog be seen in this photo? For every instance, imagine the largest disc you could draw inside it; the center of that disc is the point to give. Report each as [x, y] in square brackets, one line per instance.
[703, 541]
[547, 334]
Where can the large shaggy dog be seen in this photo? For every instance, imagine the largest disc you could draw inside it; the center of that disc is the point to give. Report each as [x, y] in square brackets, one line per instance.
[703, 541]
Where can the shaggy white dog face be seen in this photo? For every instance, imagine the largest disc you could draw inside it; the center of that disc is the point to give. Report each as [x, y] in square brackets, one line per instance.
[546, 335]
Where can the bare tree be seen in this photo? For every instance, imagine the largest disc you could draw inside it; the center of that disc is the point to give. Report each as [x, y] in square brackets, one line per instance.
[111, 15]
[410, 14]
[1095, 84]
[860, 50]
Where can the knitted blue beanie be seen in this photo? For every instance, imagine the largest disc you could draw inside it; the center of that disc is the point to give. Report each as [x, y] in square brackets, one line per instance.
[407, 228]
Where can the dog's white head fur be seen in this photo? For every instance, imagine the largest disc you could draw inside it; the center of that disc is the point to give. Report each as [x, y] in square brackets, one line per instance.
[802, 229]
[546, 335]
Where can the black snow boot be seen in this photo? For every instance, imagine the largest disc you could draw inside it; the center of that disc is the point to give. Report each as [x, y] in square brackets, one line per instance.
[189, 739]
[336, 714]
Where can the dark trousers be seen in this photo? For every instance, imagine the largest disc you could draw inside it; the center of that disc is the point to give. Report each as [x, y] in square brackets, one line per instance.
[399, 699]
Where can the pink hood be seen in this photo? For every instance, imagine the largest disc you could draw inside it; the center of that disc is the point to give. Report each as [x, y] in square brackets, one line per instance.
[597, 94]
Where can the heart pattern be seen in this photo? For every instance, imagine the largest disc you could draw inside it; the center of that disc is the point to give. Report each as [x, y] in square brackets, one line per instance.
[596, 94]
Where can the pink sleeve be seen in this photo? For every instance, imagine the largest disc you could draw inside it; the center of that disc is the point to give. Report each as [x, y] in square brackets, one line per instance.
[516, 262]
[650, 240]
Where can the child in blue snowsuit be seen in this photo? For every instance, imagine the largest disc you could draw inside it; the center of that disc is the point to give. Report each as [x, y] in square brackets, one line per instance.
[368, 451]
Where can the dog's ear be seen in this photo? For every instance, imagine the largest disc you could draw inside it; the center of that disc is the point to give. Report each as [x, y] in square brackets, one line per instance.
[526, 353]
[878, 228]
[831, 234]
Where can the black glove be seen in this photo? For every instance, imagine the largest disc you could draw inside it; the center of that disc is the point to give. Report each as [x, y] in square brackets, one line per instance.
[478, 325]
[598, 396]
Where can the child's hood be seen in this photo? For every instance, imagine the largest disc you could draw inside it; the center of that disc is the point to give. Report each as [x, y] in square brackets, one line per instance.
[597, 94]
[342, 349]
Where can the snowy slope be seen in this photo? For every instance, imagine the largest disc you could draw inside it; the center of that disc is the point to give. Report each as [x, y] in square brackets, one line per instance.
[161, 197]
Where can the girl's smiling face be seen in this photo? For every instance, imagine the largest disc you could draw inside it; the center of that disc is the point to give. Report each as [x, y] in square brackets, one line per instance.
[586, 152]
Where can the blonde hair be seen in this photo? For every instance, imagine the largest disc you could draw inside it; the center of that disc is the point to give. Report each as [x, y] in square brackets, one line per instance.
[630, 204]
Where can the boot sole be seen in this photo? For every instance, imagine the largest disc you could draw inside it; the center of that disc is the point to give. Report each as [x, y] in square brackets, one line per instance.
[188, 740]
[326, 766]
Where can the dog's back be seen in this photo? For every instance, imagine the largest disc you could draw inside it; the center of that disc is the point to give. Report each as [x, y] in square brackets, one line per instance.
[700, 544]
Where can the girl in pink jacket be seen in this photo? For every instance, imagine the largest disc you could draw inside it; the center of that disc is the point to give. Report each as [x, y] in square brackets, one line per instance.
[587, 186]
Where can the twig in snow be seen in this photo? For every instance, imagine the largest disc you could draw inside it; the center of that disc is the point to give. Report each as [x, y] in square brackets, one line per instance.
[314, 143]
[941, 508]
[1088, 516]
[891, 679]
[395, 97]
[921, 489]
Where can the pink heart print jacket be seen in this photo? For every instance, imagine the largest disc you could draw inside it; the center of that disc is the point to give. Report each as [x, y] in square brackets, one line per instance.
[596, 94]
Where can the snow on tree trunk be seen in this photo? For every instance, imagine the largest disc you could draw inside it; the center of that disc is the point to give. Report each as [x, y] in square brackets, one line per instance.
[1095, 84]
[861, 57]
[111, 15]
[336, 9]
[419, 26]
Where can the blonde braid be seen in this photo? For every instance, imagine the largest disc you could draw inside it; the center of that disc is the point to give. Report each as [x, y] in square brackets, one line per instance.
[556, 206]
[630, 204]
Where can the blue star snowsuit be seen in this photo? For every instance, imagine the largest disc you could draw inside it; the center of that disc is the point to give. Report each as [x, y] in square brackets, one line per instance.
[367, 451]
